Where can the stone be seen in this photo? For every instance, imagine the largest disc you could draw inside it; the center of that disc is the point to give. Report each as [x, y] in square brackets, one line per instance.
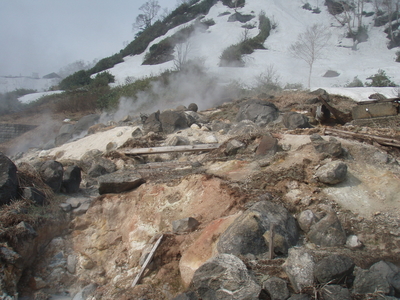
[119, 182]
[293, 120]
[185, 225]
[72, 260]
[233, 146]
[97, 170]
[306, 219]
[37, 283]
[224, 277]
[335, 292]
[66, 128]
[61, 139]
[83, 208]
[245, 128]
[246, 234]
[331, 73]
[152, 123]
[85, 292]
[186, 296]
[299, 266]
[178, 141]
[319, 92]
[389, 271]
[258, 111]
[71, 180]
[333, 268]
[172, 121]
[332, 173]
[27, 228]
[331, 147]
[52, 172]
[353, 242]
[66, 207]
[33, 194]
[276, 288]
[193, 107]
[300, 297]
[85, 122]
[268, 146]
[369, 282]
[218, 126]
[328, 231]
[137, 132]
[9, 256]
[8, 180]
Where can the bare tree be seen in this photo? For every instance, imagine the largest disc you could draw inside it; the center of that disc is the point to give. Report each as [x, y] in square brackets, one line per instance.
[150, 10]
[181, 54]
[310, 45]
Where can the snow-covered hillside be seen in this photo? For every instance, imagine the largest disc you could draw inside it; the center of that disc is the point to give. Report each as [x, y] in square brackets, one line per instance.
[291, 20]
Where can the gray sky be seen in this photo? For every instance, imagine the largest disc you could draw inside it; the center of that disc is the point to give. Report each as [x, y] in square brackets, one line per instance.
[45, 35]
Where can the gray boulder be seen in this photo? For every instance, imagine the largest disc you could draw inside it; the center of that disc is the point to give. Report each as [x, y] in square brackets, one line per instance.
[119, 182]
[218, 126]
[185, 225]
[8, 180]
[300, 297]
[335, 292]
[247, 234]
[172, 121]
[299, 266]
[268, 146]
[71, 180]
[62, 139]
[152, 123]
[293, 120]
[97, 170]
[389, 271]
[371, 281]
[306, 219]
[327, 232]
[193, 107]
[333, 268]
[52, 172]
[258, 111]
[276, 288]
[332, 147]
[332, 173]
[84, 123]
[233, 146]
[224, 277]
[245, 127]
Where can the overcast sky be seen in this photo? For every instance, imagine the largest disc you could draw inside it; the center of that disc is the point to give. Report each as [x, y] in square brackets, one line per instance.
[45, 35]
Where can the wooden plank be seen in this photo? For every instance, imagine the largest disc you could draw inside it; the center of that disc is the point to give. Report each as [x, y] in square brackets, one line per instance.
[170, 149]
[148, 259]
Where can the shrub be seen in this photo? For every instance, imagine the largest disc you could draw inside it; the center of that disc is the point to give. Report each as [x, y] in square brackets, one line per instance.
[398, 56]
[76, 80]
[103, 79]
[9, 102]
[355, 83]
[380, 79]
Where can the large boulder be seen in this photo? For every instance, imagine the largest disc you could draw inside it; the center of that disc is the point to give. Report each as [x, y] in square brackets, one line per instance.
[293, 120]
[8, 180]
[119, 182]
[276, 288]
[333, 268]
[299, 266]
[245, 127]
[248, 233]
[371, 281]
[332, 173]
[331, 148]
[173, 120]
[258, 111]
[85, 122]
[152, 123]
[224, 277]
[71, 179]
[52, 172]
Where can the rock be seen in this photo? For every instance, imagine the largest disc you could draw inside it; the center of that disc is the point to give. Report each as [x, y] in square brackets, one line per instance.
[333, 268]
[218, 126]
[193, 107]
[276, 288]
[389, 271]
[233, 146]
[172, 121]
[33, 194]
[96, 128]
[293, 120]
[332, 173]
[28, 229]
[300, 297]
[85, 292]
[335, 292]
[66, 128]
[137, 132]
[82, 209]
[245, 128]
[71, 263]
[84, 123]
[332, 148]
[306, 219]
[327, 232]
[87, 263]
[8, 180]
[61, 139]
[331, 73]
[178, 141]
[240, 17]
[353, 242]
[187, 296]
[258, 111]
[369, 282]
[319, 92]
[268, 146]
[152, 123]
[37, 283]
[96, 170]
[66, 207]
[246, 234]
[185, 225]
[111, 146]
[299, 267]
[71, 180]
[52, 172]
[224, 277]
[9, 256]
[119, 182]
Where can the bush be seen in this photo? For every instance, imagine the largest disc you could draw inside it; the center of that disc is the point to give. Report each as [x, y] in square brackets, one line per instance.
[9, 102]
[398, 56]
[355, 83]
[76, 80]
[102, 79]
[380, 79]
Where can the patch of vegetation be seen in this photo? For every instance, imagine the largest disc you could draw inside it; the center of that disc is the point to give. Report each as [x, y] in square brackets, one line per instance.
[9, 102]
[82, 78]
[234, 3]
[398, 56]
[361, 35]
[355, 83]
[380, 79]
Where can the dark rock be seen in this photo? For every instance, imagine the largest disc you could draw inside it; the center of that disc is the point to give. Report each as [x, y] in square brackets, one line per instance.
[246, 234]
[239, 17]
[52, 172]
[97, 170]
[137, 132]
[84, 123]
[185, 225]
[119, 182]
[233, 146]
[245, 127]
[219, 125]
[172, 121]
[152, 123]
[293, 120]
[389, 271]
[258, 111]
[332, 173]
[333, 268]
[369, 282]
[71, 180]
[276, 288]
[61, 139]
[300, 297]
[224, 277]
[34, 195]
[335, 292]
[319, 92]
[8, 180]
[187, 296]
[28, 229]
[327, 232]
[66, 128]
[268, 146]
[299, 267]
[377, 96]
[193, 107]
[178, 141]
[332, 148]
[331, 73]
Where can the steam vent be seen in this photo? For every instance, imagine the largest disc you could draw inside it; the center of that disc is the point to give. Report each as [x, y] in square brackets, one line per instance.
[11, 131]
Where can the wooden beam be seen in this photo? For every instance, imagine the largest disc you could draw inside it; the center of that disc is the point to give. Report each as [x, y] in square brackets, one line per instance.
[170, 149]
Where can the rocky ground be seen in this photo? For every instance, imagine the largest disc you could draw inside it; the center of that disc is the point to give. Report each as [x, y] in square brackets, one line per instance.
[334, 203]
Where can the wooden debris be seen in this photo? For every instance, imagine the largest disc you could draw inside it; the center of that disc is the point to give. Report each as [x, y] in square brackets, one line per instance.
[170, 149]
[340, 117]
[148, 259]
[271, 240]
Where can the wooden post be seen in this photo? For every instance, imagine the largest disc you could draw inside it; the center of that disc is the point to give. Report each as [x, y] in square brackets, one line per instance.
[271, 240]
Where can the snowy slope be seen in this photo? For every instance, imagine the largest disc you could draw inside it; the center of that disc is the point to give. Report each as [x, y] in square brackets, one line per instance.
[291, 20]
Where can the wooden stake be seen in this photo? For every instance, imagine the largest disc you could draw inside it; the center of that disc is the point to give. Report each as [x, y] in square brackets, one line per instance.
[169, 149]
[271, 240]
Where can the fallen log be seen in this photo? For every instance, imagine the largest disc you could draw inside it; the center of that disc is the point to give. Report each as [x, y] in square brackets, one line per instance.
[170, 149]
[369, 137]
